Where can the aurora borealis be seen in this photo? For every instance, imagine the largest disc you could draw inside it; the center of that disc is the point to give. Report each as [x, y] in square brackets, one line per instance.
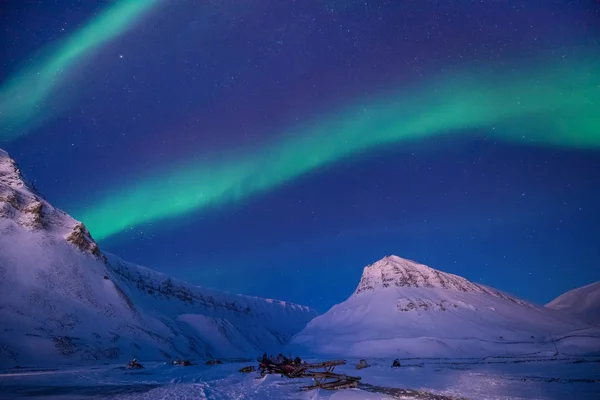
[27, 97]
[566, 98]
[238, 147]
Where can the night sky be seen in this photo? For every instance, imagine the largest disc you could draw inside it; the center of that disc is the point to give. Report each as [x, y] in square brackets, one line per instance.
[275, 148]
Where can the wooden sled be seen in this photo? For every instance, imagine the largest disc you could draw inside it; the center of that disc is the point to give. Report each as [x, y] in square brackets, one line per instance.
[302, 370]
[328, 379]
[332, 381]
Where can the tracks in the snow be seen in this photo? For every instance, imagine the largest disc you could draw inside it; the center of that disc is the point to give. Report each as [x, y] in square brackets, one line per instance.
[548, 379]
[406, 393]
[78, 391]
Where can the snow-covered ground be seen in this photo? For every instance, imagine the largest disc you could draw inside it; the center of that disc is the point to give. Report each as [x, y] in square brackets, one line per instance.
[559, 377]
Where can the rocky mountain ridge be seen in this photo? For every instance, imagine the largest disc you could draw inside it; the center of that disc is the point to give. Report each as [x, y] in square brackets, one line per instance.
[65, 301]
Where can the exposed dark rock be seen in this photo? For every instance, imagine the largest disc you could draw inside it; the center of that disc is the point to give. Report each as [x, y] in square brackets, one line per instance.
[80, 237]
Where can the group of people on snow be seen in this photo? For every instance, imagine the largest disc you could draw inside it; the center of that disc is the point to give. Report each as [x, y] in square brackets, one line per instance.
[280, 359]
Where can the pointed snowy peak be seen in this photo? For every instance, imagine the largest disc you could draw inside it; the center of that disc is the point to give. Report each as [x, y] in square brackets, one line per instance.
[9, 171]
[396, 272]
[20, 203]
[405, 308]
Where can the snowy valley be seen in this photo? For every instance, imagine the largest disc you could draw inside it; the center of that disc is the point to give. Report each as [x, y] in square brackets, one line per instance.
[72, 315]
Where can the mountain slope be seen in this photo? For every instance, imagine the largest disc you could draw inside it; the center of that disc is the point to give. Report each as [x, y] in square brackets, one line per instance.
[64, 301]
[583, 302]
[403, 308]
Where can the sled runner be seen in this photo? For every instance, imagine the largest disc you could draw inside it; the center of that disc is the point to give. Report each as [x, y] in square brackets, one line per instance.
[325, 379]
[328, 379]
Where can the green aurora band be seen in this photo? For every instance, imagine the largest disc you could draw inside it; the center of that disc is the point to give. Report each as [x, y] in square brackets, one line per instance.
[25, 98]
[554, 105]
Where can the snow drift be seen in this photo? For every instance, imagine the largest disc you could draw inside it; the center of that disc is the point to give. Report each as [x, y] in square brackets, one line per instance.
[402, 309]
[583, 302]
[64, 301]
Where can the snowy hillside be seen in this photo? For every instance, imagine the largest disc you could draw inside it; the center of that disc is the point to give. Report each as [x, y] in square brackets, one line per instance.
[583, 302]
[402, 308]
[64, 301]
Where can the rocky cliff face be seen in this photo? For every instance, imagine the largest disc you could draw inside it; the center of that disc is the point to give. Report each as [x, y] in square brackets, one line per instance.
[16, 202]
[9, 171]
[394, 271]
[82, 240]
[23, 205]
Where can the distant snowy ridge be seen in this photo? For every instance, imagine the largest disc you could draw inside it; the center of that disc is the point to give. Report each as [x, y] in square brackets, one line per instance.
[406, 309]
[157, 286]
[64, 301]
[583, 302]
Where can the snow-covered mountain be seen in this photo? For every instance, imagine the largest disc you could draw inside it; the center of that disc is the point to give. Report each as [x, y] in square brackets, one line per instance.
[63, 301]
[583, 302]
[403, 308]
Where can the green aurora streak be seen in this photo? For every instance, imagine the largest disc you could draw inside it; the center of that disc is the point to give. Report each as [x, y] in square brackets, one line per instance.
[24, 99]
[557, 105]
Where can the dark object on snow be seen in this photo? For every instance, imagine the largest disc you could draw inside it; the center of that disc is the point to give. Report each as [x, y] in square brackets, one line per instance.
[105, 277]
[213, 362]
[396, 363]
[277, 366]
[297, 361]
[134, 364]
[362, 364]
[185, 363]
[248, 369]
[326, 379]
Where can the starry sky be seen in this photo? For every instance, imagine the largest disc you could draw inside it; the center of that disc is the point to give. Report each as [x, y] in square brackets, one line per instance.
[276, 148]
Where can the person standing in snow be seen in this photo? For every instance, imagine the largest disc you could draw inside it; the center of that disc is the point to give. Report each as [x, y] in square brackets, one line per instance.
[280, 358]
